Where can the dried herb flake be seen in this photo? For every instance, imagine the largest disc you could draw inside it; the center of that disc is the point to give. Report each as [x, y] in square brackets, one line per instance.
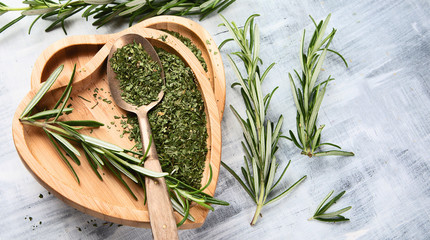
[187, 42]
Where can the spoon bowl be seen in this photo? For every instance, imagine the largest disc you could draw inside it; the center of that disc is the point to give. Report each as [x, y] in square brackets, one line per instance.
[114, 82]
[160, 210]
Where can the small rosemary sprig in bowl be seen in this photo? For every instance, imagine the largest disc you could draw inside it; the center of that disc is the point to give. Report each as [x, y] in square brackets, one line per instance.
[309, 95]
[105, 11]
[261, 135]
[64, 137]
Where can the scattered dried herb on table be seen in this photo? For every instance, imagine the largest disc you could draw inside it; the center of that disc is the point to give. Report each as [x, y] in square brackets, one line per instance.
[139, 76]
[195, 50]
[178, 122]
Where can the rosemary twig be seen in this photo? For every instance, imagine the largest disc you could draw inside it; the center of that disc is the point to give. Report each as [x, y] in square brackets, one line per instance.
[321, 215]
[261, 135]
[308, 98]
[100, 153]
[104, 11]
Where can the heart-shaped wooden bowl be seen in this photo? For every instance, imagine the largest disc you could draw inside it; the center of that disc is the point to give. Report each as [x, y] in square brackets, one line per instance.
[108, 199]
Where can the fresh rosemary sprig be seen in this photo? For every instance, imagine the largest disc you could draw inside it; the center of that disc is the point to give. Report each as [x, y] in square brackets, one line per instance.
[105, 11]
[308, 98]
[101, 154]
[321, 215]
[261, 135]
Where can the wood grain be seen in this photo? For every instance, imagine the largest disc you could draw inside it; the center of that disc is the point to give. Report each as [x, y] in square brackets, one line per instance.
[107, 200]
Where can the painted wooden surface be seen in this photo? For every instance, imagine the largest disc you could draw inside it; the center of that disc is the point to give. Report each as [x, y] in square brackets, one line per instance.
[379, 108]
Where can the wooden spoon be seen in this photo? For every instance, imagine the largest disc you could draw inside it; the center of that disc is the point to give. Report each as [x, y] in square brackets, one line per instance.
[160, 210]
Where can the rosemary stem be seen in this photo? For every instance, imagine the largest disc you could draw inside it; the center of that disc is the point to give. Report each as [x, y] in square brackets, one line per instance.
[260, 203]
[257, 213]
[44, 125]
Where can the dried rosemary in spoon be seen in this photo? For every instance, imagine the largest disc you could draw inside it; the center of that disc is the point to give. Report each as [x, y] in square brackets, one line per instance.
[139, 76]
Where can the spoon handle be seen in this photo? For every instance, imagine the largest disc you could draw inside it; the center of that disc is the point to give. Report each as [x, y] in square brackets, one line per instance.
[160, 209]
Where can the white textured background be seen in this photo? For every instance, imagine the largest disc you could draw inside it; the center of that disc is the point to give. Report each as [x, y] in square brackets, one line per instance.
[378, 108]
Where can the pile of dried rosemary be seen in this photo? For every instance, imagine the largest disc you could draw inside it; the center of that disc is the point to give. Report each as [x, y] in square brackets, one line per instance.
[178, 122]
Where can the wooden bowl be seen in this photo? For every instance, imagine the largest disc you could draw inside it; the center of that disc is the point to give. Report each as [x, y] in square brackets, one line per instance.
[108, 199]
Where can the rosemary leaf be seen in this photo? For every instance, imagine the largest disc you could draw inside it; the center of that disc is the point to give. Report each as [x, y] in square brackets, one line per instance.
[334, 153]
[32, 24]
[49, 113]
[84, 123]
[283, 194]
[118, 176]
[66, 93]
[100, 143]
[91, 162]
[45, 87]
[116, 162]
[70, 153]
[62, 155]
[181, 210]
[186, 213]
[146, 172]
[129, 157]
[64, 142]
[98, 2]
[11, 22]
[93, 155]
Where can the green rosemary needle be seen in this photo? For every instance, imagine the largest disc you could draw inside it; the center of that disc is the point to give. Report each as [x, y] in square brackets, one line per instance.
[261, 135]
[308, 98]
[101, 154]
